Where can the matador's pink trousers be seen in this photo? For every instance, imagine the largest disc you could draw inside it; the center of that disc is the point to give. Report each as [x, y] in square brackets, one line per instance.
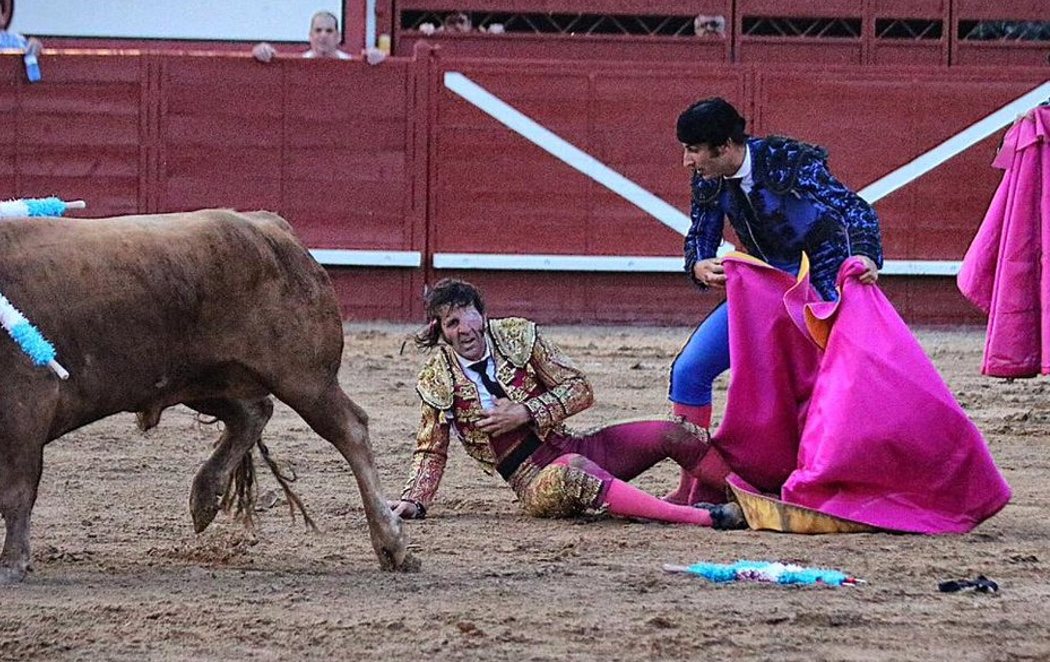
[620, 452]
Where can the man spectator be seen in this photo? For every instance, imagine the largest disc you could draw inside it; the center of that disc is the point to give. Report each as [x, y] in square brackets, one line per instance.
[454, 22]
[458, 22]
[324, 43]
[14, 40]
[709, 26]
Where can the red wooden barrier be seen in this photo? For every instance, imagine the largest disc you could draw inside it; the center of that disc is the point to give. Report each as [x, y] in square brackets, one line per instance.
[82, 132]
[327, 144]
[495, 192]
[332, 146]
[386, 159]
[908, 32]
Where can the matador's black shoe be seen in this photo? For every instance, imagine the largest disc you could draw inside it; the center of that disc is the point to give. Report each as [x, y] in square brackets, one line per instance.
[725, 516]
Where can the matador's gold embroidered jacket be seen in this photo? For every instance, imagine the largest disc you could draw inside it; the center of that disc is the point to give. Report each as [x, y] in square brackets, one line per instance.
[532, 370]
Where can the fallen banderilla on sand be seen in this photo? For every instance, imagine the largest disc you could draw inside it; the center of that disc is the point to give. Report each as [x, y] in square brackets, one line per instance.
[767, 573]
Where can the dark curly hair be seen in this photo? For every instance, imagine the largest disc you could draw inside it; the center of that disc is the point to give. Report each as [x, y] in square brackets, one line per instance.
[711, 122]
[447, 293]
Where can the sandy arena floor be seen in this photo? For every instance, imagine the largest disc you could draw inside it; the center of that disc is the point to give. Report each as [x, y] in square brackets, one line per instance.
[119, 573]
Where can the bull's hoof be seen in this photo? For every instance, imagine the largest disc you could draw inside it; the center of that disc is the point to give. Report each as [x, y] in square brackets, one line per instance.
[204, 504]
[12, 574]
[409, 562]
[203, 514]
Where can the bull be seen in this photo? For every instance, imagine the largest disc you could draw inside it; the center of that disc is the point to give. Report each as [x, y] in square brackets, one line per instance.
[216, 310]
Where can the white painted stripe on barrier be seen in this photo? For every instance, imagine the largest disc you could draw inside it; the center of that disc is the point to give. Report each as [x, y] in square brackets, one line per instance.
[966, 138]
[920, 267]
[624, 263]
[566, 152]
[640, 263]
[503, 261]
[330, 257]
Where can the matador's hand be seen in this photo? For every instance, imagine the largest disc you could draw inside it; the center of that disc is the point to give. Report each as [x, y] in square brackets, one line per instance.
[871, 271]
[504, 417]
[404, 509]
[710, 272]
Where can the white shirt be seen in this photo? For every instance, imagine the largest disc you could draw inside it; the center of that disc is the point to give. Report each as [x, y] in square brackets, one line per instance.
[488, 401]
[747, 182]
[339, 55]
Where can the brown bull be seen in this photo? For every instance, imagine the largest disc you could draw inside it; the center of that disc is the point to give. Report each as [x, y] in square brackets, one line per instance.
[216, 310]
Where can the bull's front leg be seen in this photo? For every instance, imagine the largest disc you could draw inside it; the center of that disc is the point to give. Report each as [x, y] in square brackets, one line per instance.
[20, 466]
[336, 418]
[384, 526]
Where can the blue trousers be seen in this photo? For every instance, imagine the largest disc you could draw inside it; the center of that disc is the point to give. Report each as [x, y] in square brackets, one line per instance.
[704, 357]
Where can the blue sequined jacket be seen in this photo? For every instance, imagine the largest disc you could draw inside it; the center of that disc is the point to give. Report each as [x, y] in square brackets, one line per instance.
[795, 205]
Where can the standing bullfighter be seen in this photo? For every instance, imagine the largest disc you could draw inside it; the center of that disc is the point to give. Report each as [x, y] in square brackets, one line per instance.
[782, 201]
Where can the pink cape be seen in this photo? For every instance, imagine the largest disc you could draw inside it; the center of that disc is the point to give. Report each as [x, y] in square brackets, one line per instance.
[865, 428]
[1006, 270]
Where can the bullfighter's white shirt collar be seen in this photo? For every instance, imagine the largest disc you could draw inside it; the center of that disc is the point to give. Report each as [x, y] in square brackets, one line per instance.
[488, 400]
[466, 363]
[744, 173]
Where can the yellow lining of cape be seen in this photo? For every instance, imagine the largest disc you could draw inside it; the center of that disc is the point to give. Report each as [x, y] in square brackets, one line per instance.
[819, 329]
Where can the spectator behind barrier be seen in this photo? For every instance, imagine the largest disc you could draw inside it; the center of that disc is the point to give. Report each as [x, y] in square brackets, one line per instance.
[709, 26]
[324, 43]
[15, 40]
[1010, 31]
[454, 22]
[458, 22]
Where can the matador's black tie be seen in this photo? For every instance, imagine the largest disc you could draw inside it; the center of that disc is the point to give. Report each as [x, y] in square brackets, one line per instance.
[491, 384]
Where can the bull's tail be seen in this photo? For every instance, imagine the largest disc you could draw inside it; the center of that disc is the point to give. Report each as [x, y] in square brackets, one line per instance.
[241, 495]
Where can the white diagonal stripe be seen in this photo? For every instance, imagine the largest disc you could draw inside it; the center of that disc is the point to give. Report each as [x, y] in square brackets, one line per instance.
[566, 152]
[961, 141]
